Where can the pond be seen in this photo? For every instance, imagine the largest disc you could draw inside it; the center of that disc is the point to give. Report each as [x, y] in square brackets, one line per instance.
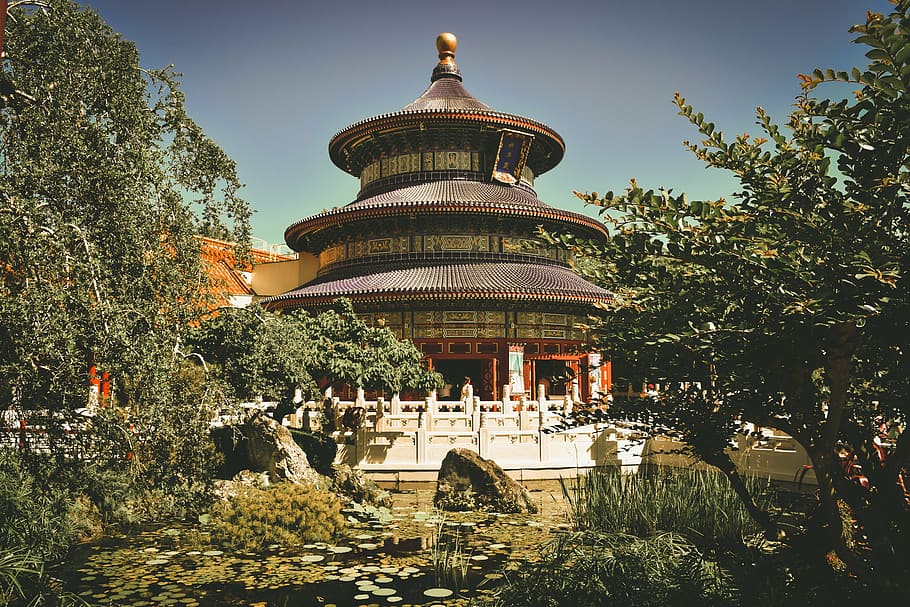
[419, 557]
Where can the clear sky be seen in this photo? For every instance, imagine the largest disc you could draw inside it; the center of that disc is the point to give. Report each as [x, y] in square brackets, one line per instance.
[272, 81]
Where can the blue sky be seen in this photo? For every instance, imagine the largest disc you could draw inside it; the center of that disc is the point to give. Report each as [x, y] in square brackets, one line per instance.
[273, 81]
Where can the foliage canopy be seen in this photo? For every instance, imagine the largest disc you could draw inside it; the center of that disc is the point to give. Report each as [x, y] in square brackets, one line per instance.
[257, 353]
[786, 304]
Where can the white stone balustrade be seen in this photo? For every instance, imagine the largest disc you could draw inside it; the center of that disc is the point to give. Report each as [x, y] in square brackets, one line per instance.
[416, 435]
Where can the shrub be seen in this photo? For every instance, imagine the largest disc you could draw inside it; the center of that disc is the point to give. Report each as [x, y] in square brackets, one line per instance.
[35, 515]
[286, 514]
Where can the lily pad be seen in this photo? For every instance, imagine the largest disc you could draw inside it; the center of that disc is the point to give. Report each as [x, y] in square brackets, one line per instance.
[384, 591]
[438, 593]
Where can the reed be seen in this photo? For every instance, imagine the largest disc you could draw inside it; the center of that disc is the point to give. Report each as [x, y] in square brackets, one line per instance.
[697, 504]
[615, 570]
[450, 561]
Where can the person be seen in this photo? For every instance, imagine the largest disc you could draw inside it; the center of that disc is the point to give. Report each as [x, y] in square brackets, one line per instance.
[467, 391]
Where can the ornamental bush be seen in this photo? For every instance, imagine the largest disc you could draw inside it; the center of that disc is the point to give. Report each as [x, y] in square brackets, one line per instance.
[286, 514]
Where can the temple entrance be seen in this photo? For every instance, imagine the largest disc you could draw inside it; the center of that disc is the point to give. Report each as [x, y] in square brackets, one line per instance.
[454, 370]
[555, 375]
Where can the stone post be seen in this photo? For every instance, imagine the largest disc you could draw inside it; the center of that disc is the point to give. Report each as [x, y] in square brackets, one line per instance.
[483, 442]
[567, 405]
[361, 400]
[543, 444]
[336, 413]
[541, 398]
[507, 399]
[379, 423]
[396, 404]
[420, 437]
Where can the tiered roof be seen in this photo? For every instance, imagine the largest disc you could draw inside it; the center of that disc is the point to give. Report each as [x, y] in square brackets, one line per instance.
[445, 119]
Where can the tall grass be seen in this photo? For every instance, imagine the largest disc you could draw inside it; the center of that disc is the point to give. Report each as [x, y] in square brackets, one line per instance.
[697, 504]
[594, 569]
[15, 567]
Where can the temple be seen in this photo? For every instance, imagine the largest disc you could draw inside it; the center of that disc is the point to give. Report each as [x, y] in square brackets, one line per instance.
[442, 245]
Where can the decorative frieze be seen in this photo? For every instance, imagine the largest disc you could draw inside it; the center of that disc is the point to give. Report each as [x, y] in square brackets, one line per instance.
[456, 242]
[401, 164]
[438, 243]
[439, 160]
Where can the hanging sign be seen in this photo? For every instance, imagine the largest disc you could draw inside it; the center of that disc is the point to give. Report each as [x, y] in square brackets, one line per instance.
[516, 368]
[511, 156]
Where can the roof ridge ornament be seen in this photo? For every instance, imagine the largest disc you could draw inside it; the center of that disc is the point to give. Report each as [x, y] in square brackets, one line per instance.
[446, 43]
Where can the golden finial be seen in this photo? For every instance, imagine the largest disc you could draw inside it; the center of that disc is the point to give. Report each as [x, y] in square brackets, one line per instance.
[446, 44]
[446, 68]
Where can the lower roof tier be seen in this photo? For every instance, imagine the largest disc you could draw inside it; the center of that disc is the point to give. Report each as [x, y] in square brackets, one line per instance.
[519, 282]
[432, 199]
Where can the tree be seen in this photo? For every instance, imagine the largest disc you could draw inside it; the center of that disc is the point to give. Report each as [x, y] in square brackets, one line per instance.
[787, 305]
[270, 355]
[105, 183]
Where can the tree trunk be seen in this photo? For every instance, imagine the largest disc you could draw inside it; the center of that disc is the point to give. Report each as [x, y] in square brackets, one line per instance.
[836, 527]
[723, 462]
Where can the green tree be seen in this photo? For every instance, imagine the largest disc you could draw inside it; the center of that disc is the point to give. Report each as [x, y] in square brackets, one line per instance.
[263, 354]
[105, 183]
[787, 304]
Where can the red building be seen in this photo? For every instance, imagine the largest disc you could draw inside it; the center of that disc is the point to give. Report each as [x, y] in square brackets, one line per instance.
[441, 243]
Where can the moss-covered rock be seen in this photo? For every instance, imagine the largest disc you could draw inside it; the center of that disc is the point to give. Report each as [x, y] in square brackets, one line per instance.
[467, 481]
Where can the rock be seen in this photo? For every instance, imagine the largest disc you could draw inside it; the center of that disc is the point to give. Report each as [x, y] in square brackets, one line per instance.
[272, 449]
[467, 481]
[352, 485]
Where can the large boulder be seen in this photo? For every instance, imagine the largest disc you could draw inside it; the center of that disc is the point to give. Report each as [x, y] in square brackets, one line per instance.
[271, 448]
[467, 481]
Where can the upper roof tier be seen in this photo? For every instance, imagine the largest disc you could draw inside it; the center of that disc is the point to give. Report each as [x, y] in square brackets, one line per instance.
[434, 120]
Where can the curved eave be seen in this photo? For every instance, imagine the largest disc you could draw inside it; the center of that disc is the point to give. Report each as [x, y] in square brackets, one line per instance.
[361, 131]
[281, 302]
[504, 282]
[337, 217]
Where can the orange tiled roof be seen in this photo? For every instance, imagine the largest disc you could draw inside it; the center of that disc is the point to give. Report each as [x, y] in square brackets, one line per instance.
[226, 271]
